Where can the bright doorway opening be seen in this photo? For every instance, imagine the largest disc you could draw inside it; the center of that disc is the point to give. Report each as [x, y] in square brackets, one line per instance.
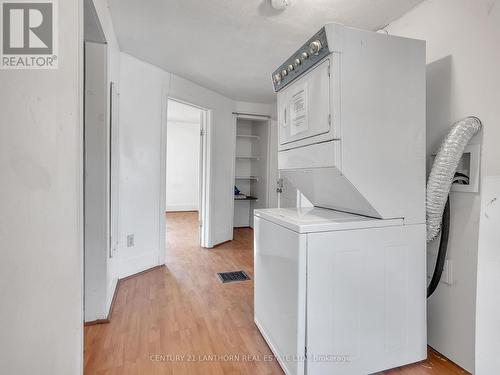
[186, 184]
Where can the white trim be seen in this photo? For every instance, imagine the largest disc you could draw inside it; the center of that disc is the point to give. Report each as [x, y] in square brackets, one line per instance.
[273, 172]
[268, 163]
[80, 172]
[262, 119]
[205, 181]
[137, 264]
[162, 243]
[233, 173]
[109, 297]
[114, 165]
[182, 207]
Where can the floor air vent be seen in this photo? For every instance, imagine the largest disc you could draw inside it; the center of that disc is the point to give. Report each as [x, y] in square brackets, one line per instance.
[229, 277]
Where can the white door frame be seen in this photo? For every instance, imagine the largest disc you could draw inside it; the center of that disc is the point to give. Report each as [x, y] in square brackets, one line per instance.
[205, 176]
[272, 147]
[273, 174]
[233, 172]
[205, 180]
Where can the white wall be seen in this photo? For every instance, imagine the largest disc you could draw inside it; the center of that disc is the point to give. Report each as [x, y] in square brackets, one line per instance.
[462, 79]
[143, 110]
[141, 90]
[41, 210]
[183, 165]
[488, 281]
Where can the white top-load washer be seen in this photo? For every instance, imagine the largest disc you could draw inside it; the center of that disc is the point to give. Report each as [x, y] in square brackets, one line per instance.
[341, 288]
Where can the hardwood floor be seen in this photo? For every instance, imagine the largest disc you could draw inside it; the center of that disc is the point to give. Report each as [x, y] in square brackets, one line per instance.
[180, 319]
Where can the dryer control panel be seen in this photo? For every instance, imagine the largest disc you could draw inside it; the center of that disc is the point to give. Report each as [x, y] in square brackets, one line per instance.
[313, 51]
[304, 108]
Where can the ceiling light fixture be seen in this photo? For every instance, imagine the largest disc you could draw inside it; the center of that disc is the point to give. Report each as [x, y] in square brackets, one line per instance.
[280, 4]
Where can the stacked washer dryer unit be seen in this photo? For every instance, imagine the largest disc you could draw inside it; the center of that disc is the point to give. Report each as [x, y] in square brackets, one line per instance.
[341, 288]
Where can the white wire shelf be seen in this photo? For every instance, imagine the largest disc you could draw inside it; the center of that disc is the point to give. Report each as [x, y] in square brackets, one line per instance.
[246, 199]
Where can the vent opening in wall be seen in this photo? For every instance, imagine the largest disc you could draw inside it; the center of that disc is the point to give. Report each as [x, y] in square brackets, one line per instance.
[467, 177]
[228, 277]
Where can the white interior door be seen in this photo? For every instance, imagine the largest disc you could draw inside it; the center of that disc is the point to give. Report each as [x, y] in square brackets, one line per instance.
[97, 181]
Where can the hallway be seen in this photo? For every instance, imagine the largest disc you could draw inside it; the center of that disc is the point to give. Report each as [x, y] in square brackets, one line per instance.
[180, 319]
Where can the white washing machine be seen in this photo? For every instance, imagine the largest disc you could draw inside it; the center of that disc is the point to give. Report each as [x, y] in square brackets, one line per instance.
[345, 291]
[340, 288]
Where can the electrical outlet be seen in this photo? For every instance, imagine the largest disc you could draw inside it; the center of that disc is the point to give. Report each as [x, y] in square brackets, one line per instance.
[130, 240]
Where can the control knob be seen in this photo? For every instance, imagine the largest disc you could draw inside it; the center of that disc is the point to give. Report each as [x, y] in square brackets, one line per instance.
[315, 47]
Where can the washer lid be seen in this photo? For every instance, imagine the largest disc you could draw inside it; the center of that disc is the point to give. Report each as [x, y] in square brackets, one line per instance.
[314, 219]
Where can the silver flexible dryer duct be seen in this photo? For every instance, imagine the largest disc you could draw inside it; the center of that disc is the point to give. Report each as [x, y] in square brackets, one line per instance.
[443, 170]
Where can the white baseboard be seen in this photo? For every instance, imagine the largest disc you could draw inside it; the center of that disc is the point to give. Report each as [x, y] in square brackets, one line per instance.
[182, 207]
[133, 265]
[222, 237]
[110, 293]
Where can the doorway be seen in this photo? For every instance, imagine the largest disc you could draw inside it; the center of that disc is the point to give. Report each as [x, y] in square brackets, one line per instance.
[186, 187]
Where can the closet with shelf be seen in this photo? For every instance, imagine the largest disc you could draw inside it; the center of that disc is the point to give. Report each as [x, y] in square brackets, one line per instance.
[251, 167]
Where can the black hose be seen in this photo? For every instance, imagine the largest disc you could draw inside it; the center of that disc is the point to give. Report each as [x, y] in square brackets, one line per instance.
[443, 246]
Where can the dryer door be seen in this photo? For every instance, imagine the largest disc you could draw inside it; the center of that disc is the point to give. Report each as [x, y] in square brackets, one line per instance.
[304, 106]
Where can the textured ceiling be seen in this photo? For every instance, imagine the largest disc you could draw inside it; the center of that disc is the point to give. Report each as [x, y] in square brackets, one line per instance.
[232, 46]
